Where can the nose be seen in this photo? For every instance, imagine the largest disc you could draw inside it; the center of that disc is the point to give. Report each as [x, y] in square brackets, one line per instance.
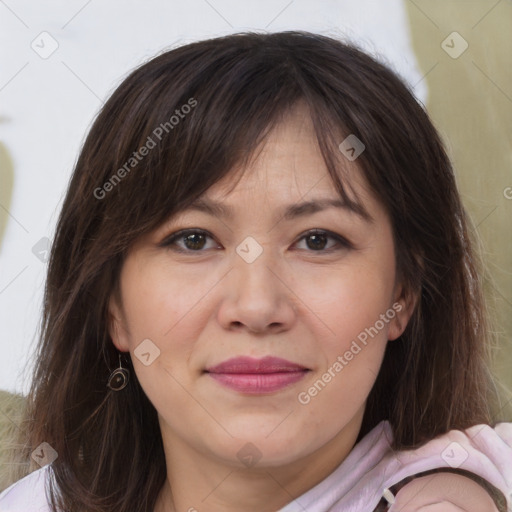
[256, 296]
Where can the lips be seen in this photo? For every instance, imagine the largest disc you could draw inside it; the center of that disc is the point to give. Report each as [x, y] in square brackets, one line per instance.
[250, 365]
[256, 376]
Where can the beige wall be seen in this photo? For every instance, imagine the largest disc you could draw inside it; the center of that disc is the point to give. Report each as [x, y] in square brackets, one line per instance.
[470, 102]
[6, 184]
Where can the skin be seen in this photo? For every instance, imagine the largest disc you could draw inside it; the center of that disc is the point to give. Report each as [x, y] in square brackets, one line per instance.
[294, 301]
[444, 492]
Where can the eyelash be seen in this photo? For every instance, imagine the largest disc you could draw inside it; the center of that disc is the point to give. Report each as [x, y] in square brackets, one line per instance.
[170, 240]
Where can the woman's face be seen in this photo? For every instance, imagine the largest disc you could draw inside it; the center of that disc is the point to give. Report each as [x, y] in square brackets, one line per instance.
[252, 283]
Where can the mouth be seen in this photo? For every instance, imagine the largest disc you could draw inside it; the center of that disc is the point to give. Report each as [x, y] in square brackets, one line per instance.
[257, 376]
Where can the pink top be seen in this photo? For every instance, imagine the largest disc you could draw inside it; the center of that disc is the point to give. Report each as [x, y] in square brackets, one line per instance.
[358, 484]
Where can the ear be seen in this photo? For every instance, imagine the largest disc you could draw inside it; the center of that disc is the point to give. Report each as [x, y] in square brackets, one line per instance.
[404, 304]
[117, 324]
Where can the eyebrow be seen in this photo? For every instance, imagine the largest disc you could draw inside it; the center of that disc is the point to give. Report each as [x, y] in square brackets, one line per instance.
[289, 212]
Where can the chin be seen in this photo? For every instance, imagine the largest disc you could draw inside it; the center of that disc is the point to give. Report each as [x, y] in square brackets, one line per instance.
[267, 446]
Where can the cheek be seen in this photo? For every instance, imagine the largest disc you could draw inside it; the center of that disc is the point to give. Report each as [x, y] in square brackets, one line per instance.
[158, 300]
[351, 356]
[162, 305]
[350, 300]
[352, 315]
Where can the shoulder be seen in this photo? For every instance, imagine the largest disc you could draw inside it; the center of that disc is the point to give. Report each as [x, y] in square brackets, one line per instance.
[445, 491]
[27, 494]
[476, 459]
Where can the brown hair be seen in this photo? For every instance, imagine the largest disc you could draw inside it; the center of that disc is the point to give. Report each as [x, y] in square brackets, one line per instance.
[433, 378]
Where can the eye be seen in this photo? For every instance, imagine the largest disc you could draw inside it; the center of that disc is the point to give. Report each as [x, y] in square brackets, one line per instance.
[195, 240]
[317, 239]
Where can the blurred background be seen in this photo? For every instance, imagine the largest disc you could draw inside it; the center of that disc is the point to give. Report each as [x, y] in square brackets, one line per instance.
[470, 102]
[60, 60]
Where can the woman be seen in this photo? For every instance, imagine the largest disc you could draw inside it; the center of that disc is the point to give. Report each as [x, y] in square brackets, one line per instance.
[262, 296]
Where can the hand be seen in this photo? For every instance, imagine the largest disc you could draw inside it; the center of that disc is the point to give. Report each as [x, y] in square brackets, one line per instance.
[443, 492]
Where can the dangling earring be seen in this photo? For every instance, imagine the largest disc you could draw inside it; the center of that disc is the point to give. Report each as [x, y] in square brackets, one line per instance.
[119, 377]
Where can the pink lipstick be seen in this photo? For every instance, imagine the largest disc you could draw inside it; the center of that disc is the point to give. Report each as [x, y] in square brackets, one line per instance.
[257, 376]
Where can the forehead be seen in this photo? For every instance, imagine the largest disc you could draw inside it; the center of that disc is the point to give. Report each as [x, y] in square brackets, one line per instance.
[289, 166]
[286, 179]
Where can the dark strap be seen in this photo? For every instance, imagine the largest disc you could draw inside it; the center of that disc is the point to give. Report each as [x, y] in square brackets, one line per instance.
[497, 496]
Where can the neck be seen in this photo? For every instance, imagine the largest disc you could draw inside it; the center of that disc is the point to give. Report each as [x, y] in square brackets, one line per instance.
[197, 482]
